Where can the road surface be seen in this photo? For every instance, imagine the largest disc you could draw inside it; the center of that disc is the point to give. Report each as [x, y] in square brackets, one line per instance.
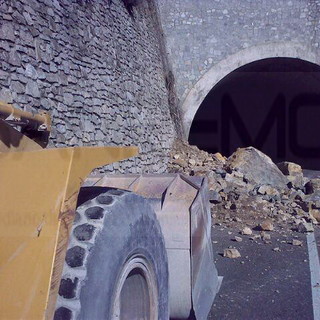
[266, 283]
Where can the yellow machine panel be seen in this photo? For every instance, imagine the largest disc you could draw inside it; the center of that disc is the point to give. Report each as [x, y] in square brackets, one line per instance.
[38, 195]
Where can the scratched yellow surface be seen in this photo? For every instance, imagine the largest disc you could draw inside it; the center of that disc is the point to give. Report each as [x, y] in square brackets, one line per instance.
[36, 188]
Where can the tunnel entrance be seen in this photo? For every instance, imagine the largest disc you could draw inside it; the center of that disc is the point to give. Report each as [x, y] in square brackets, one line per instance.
[272, 104]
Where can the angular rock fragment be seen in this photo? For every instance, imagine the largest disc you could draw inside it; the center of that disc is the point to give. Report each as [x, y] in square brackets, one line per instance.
[296, 242]
[255, 237]
[231, 253]
[220, 157]
[267, 190]
[246, 231]
[290, 168]
[214, 197]
[180, 162]
[265, 236]
[315, 213]
[313, 186]
[266, 225]
[304, 227]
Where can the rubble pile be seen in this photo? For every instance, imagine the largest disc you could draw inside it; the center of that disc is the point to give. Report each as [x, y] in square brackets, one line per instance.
[191, 160]
[249, 190]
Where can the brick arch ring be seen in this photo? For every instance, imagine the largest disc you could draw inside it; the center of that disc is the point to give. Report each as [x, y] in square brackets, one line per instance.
[268, 50]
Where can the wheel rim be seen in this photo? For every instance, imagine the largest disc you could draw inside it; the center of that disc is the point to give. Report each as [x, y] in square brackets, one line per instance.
[136, 295]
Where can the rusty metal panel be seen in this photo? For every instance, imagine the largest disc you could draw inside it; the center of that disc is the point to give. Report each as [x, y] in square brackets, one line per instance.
[38, 194]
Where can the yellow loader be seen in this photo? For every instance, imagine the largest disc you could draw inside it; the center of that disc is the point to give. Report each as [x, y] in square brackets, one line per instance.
[81, 246]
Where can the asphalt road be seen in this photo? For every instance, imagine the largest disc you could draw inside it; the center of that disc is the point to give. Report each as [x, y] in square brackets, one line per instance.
[264, 284]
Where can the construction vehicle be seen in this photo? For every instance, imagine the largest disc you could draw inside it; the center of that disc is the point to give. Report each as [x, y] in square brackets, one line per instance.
[80, 246]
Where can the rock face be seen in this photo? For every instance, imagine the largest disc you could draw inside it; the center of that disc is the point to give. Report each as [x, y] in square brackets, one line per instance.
[97, 68]
[249, 191]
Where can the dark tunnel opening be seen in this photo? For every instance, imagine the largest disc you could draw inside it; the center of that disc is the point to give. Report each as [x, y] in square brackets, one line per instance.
[272, 104]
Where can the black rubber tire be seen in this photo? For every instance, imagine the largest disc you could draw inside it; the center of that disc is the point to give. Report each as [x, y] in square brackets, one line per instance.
[108, 231]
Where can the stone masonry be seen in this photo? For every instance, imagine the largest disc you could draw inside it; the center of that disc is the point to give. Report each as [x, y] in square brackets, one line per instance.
[96, 67]
[200, 34]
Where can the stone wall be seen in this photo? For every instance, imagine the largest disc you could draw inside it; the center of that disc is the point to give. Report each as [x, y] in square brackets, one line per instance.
[96, 66]
[200, 34]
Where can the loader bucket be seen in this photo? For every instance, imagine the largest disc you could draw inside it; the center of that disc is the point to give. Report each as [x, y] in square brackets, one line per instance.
[182, 207]
[38, 195]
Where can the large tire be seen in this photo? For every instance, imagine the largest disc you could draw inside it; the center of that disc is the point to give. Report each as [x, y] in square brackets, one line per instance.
[116, 264]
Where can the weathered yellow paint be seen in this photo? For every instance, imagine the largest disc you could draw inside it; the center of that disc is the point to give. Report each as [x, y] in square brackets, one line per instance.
[38, 194]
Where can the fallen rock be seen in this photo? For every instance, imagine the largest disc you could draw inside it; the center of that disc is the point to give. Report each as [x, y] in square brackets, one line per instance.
[220, 157]
[297, 181]
[214, 196]
[315, 213]
[290, 168]
[231, 253]
[313, 186]
[234, 180]
[297, 221]
[296, 242]
[238, 239]
[180, 162]
[304, 227]
[188, 159]
[265, 236]
[255, 237]
[257, 168]
[248, 187]
[267, 190]
[246, 231]
[277, 249]
[266, 225]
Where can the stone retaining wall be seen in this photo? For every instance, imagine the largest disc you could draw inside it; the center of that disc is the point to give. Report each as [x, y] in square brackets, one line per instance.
[97, 67]
[200, 34]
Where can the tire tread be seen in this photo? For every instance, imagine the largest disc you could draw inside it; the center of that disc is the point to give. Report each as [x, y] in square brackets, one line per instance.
[89, 222]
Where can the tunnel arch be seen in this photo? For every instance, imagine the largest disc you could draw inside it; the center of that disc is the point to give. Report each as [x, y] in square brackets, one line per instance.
[220, 70]
[272, 104]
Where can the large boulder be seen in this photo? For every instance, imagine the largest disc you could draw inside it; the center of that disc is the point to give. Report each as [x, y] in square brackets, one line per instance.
[257, 168]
